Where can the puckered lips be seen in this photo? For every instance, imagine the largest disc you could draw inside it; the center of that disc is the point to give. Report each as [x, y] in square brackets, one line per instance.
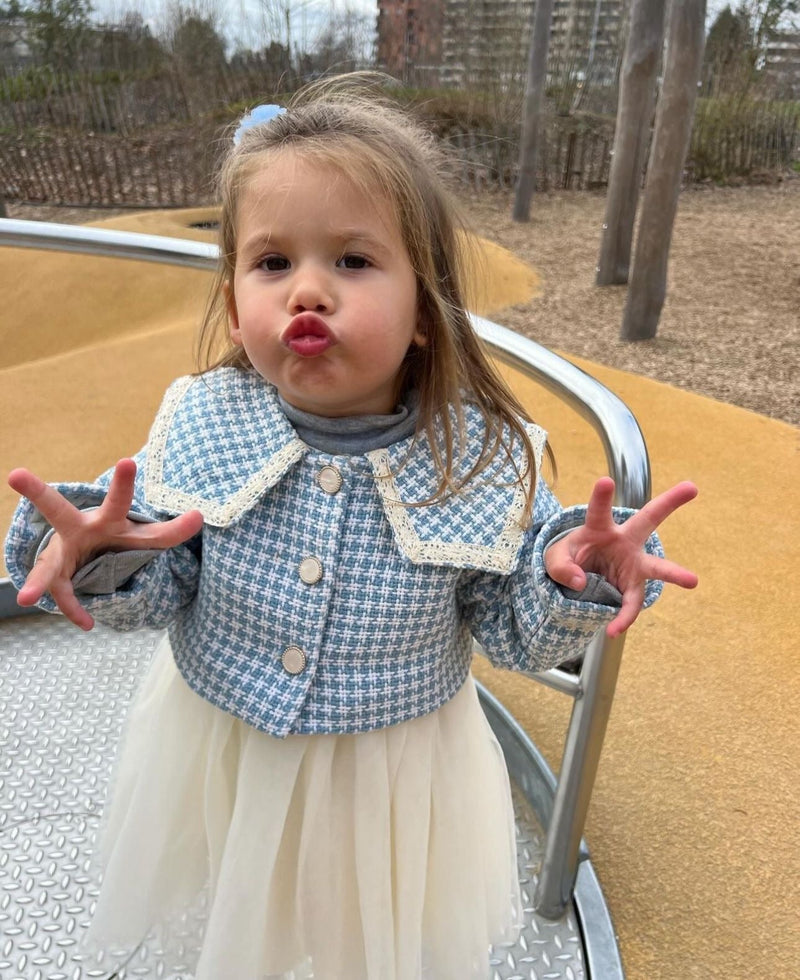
[307, 335]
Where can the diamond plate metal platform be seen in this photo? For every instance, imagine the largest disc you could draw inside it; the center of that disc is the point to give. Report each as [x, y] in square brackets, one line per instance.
[63, 699]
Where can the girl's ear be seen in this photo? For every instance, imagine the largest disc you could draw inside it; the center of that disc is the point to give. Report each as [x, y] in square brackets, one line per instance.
[233, 313]
[420, 336]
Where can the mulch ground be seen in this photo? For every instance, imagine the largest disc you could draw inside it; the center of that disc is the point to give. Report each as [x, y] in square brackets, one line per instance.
[730, 327]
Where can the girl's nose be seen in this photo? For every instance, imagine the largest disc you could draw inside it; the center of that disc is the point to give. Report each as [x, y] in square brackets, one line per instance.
[310, 291]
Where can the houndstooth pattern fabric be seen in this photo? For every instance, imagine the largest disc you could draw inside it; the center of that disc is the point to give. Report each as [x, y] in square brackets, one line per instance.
[384, 632]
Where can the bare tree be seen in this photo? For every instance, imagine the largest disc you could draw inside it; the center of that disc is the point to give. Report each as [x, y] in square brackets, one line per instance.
[767, 16]
[596, 62]
[574, 37]
[634, 115]
[737, 43]
[286, 22]
[532, 109]
[343, 43]
[126, 44]
[56, 30]
[189, 26]
[729, 59]
[670, 142]
[197, 48]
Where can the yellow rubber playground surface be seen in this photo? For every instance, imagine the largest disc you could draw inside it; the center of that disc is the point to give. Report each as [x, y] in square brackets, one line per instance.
[693, 826]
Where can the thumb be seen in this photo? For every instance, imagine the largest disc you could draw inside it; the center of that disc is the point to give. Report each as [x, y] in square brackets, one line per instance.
[562, 568]
[165, 534]
[181, 528]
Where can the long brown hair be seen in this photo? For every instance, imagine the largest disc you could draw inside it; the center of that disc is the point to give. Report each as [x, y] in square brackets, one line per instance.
[347, 124]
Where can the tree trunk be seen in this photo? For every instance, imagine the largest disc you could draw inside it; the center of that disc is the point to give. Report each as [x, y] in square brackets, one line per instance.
[635, 112]
[670, 142]
[532, 110]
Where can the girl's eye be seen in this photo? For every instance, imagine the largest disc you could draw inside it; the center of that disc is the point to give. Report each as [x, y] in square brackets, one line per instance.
[353, 262]
[274, 263]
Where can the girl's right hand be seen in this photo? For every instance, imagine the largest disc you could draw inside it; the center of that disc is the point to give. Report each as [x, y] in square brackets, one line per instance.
[82, 535]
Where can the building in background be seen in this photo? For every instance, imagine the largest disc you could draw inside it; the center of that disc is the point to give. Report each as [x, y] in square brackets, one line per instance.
[410, 40]
[457, 42]
[15, 51]
[782, 64]
[587, 37]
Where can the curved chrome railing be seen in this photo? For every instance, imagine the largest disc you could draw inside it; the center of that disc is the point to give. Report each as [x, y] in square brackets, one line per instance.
[612, 420]
[107, 242]
[628, 464]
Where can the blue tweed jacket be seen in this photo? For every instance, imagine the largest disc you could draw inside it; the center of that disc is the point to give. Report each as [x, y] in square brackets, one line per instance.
[315, 600]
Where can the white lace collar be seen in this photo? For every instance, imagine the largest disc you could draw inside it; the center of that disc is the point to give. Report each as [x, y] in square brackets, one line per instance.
[221, 440]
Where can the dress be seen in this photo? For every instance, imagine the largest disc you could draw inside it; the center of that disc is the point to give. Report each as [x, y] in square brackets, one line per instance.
[386, 855]
[344, 810]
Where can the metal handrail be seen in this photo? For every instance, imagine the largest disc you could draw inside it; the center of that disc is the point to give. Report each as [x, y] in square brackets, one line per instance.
[612, 420]
[628, 464]
[108, 242]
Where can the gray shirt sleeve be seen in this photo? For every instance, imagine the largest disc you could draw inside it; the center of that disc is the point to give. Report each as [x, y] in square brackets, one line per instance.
[110, 571]
[597, 589]
[107, 572]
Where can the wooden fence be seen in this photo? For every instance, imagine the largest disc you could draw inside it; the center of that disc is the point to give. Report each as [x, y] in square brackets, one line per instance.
[87, 151]
[572, 160]
[94, 169]
[176, 168]
[127, 106]
[735, 139]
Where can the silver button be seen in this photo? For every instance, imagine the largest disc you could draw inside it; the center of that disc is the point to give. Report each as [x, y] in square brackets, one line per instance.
[330, 479]
[293, 660]
[310, 570]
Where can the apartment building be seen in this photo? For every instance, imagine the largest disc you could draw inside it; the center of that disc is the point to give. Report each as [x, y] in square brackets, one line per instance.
[410, 40]
[15, 52]
[455, 42]
[782, 63]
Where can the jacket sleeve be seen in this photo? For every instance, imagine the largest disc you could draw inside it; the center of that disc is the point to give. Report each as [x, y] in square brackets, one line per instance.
[526, 621]
[148, 588]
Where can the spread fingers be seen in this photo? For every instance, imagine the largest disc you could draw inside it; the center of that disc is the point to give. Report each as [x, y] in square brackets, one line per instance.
[54, 507]
[670, 571]
[119, 497]
[631, 607]
[656, 511]
[64, 597]
[40, 578]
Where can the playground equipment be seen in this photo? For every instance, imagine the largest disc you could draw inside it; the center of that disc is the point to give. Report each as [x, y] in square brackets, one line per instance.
[64, 696]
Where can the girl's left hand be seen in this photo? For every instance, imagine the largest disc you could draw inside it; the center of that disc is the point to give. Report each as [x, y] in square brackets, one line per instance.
[616, 551]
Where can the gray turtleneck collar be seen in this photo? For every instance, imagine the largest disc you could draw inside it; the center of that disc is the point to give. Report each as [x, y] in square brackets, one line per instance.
[354, 434]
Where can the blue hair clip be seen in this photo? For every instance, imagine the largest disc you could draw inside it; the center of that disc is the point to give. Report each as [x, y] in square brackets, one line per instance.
[261, 114]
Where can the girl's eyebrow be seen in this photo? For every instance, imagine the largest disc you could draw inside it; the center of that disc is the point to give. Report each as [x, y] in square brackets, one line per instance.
[359, 234]
[359, 237]
[256, 243]
[342, 238]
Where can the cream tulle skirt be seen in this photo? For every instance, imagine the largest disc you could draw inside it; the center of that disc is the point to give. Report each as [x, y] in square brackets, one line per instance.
[388, 855]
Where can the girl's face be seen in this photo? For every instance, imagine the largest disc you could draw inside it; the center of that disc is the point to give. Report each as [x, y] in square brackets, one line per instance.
[324, 298]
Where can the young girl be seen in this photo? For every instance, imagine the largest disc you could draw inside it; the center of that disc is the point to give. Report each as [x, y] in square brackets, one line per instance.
[323, 521]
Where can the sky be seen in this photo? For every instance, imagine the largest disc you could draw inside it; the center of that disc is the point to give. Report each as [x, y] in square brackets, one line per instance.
[253, 23]
[245, 23]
